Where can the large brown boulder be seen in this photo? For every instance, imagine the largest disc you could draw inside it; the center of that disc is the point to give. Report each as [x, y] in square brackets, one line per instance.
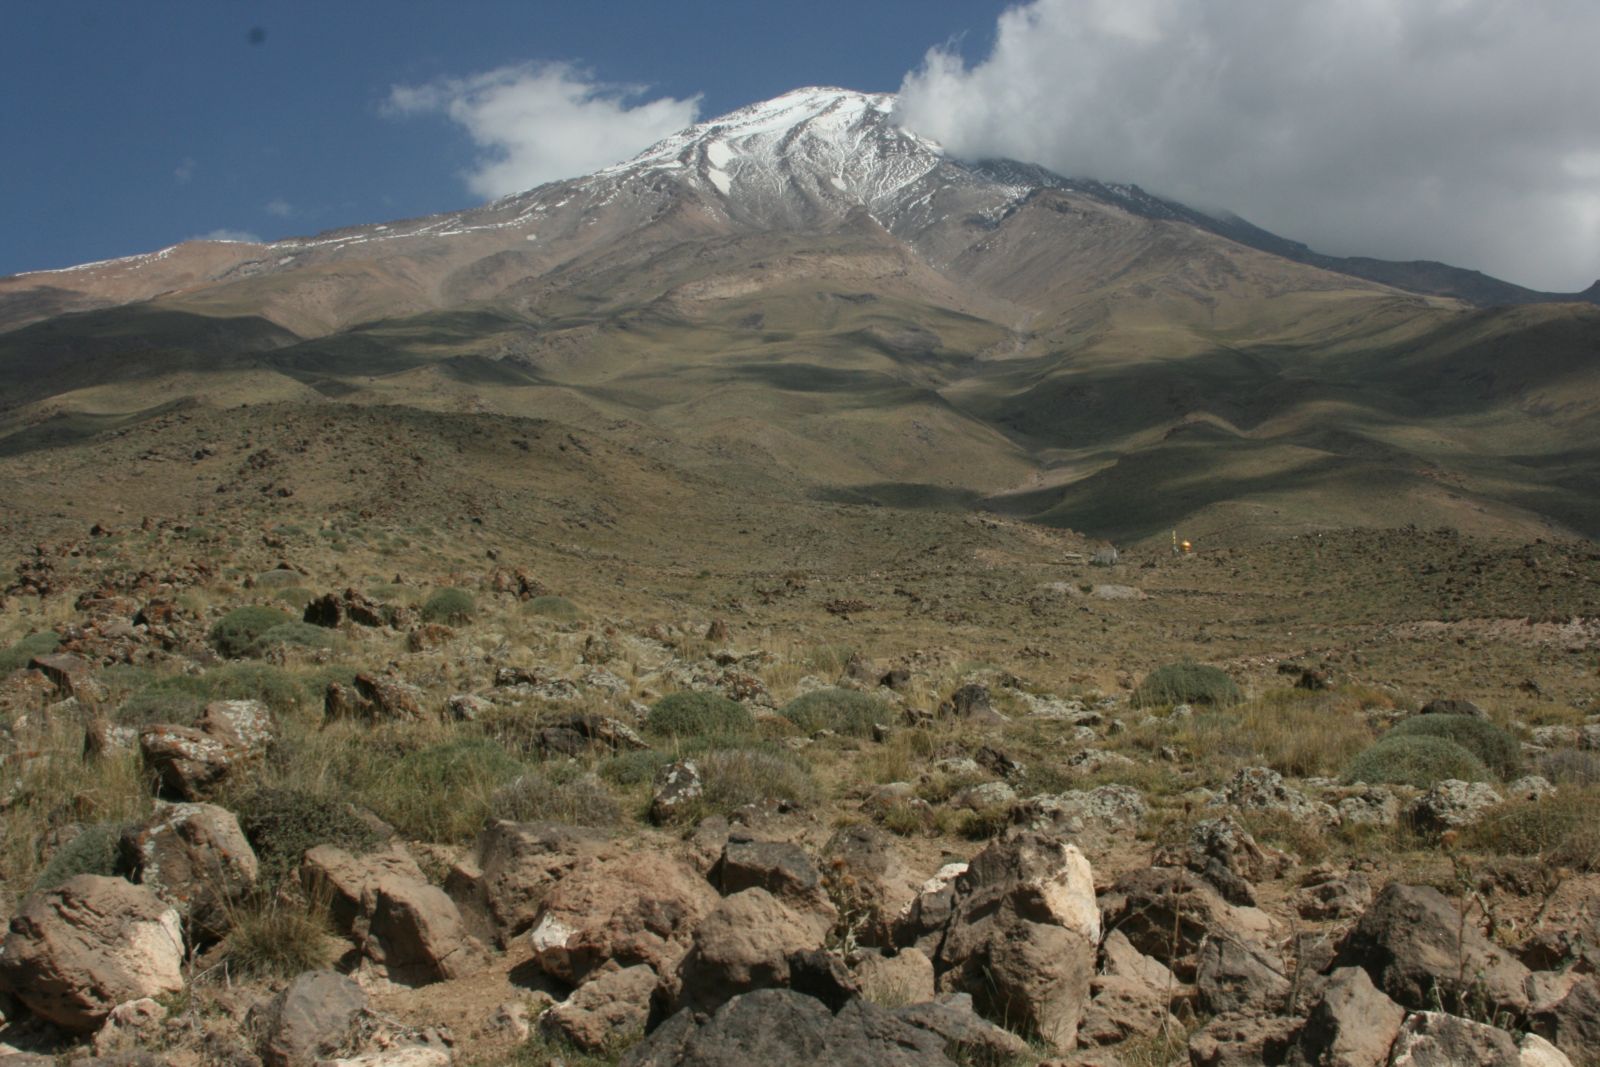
[1417, 948]
[1233, 976]
[311, 1018]
[340, 880]
[1353, 1024]
[74, 952]
[1166, 912]
[1023, 934]
[612, 1006]
[513, 866]
[1571, 1020]
[188, 763]
[746, 943]
[414, 931]
[870, 875]
[1434, 1039]
[641, 908]
[195, 857]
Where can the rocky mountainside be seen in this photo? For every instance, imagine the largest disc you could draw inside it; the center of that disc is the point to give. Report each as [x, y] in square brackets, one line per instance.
[803, 297]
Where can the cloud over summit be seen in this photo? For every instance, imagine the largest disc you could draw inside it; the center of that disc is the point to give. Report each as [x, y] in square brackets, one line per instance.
[1461, 130]
[543, 122]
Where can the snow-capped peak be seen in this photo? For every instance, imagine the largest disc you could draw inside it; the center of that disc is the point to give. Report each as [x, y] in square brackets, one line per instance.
[831, 146]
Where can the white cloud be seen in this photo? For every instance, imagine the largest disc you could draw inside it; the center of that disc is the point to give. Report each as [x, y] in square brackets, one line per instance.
[1460, 130]
[541, 123]
[229, 235]
[279, 207]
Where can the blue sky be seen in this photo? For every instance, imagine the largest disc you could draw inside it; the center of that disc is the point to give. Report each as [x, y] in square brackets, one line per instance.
[1459, 130]
[129, 126]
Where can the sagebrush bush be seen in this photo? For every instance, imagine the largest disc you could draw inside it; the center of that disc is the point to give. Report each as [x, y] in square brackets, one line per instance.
[278, 579]
[1498, 749]
[1187, 683]
[17, 656]
[453, 606]
[1296, 733]
[269, 937]
[281, 823]
[292, 635]
[552, 607]
[443, 792]
[843, 711]
[690, 714]
[1569, 766]
[180, 698]
[1560, 829]
[1417, 760]
[296, 596]
[734, 777]
[538, 797]
[236, 633]
[93, 851]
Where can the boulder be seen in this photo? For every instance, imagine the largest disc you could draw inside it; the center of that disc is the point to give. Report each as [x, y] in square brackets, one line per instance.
[340, 880]
[1451, 805]
[245, 724]
[74, 952]
[414, 931]
[1122, 1007]
[1434, 1039]
[1352, 1025]
[1166, 912]
[513, 866]
[1453, 706]
[194, 857]
[904, 978]
[1231, 976]
[641, 908]
[1263, 789]
[611, 1006]
[780, 867]
[745, 943]
[390, 698]
[782, 1028]
[309, 1019]
[1022, 935]
[1224, 854]
[871, 879]
[1329, 896]
[1571, 1019]
[1242, 1041]
[678, 789]
[188, 763]
[131, 1024]
[1535, 1051]
[972, 1038]
[1416, 948]
[1107, 809]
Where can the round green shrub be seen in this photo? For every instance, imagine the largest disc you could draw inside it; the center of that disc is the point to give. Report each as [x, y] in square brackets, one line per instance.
[690, 714]
[296, 596]
[453, 606]
[94, 851]
[843, 711]
[1416, 760]
[278, 579]
[735, 777]
[1187, 683]
[236, 633]
[1500, 752]
[181, 697]
[281, 823]
[553, 607]
[292, 635]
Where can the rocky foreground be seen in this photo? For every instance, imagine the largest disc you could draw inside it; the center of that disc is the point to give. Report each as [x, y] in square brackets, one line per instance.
[386, 829]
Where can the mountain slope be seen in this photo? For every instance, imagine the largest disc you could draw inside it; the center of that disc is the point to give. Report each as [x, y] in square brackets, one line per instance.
[803, 300]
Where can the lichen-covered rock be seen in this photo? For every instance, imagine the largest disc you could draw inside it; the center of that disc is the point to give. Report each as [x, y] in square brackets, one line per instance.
[1353, 1024]
[309, 1019]
[195, 857]
[746, 943]
[1451, 805]
[611, 1006]
[1434, 1039]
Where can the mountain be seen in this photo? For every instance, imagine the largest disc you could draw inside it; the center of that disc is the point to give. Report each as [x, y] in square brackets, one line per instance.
[803, 303]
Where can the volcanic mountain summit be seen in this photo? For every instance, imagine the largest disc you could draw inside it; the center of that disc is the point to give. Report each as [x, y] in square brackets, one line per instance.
[803, 299]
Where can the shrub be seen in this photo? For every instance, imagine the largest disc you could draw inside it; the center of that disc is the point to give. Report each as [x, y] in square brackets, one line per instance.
[553, 607]
[1569, 766]
[180, 698]
[690, 714]
[844, 711]
[1415, 760]
[17, 656]
[278, 579]
[633, 768]
[270, 937]
[236, 633]
[1186, 683]
[453, 606]
[441, 793]
[296, 596]
[1561, 829]
[1499, 751]
[537, 797]
[735, 777]
[282, 823]
[93, 851]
